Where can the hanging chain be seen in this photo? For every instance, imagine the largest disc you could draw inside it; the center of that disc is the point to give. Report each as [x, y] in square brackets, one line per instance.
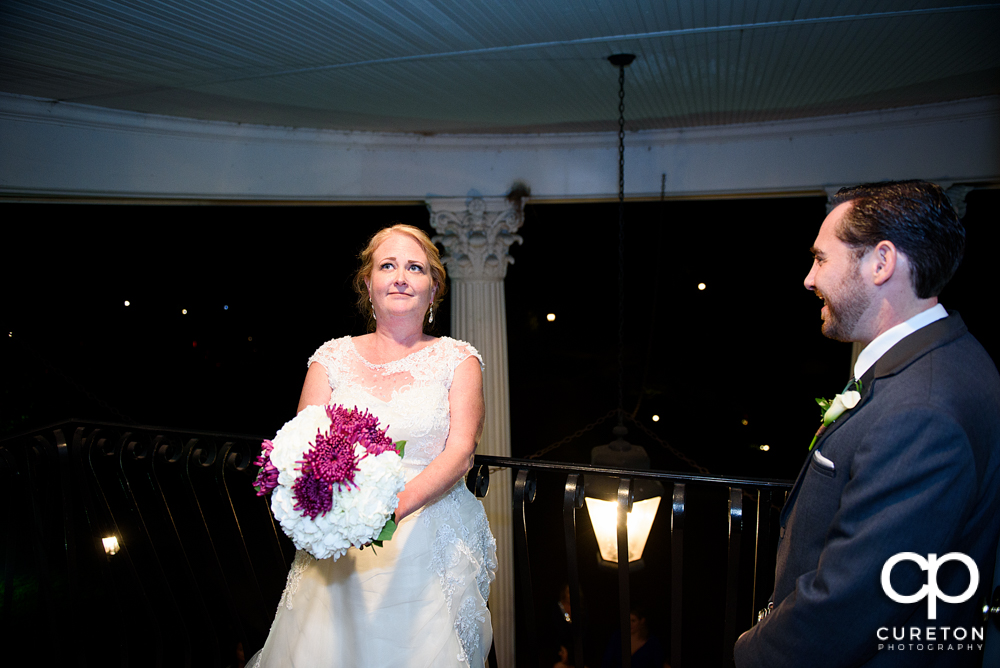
[620, 411]
[621, 245]
[572, 437]
[669, 448]
[601, 420]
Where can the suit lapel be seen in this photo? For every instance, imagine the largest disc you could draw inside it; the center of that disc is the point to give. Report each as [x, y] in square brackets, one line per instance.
[894, 360]
[866, 393]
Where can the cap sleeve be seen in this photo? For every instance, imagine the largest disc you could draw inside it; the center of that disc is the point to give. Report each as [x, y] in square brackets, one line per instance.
[461, 351]
[327, 356]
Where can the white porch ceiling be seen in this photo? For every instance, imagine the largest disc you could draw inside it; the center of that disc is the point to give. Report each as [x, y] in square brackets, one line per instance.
[489, 66]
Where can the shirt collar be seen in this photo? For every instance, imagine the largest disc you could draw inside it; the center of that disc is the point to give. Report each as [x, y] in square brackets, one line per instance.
[887, 339]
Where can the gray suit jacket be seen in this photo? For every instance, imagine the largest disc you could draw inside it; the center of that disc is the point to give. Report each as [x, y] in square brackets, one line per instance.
[916, 468]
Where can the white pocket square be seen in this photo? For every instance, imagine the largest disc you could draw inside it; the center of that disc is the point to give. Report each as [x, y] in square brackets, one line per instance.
[823, 461]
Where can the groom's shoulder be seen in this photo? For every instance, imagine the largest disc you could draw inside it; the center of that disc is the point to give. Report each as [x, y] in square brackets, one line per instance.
[963, 366]
[953, 378]
[941, 350]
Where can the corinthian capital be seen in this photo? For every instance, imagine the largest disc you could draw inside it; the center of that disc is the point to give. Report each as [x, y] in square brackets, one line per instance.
[476, 234]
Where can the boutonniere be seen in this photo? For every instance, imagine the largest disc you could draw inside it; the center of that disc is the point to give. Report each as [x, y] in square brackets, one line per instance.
[831, 409]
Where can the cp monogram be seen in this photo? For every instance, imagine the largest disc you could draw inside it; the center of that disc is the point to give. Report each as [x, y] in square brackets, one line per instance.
[930, 590]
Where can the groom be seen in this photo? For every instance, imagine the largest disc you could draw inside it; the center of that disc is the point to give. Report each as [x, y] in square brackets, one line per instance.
[913, 468]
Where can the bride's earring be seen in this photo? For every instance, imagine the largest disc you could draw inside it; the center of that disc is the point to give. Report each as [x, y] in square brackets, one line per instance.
[430, 314]
[373, 307]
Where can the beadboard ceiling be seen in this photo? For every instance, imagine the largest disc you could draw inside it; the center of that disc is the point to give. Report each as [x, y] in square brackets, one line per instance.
[498, 66]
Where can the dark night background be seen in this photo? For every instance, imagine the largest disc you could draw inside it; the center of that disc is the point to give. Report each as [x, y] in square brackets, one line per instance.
[747, 348]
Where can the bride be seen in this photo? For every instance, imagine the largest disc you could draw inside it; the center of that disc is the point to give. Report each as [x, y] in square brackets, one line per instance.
[421, 600]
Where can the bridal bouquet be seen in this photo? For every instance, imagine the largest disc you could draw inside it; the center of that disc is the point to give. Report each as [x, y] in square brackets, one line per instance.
[335, 477]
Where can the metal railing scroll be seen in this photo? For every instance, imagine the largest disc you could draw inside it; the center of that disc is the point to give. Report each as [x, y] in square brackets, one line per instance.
[137, 546]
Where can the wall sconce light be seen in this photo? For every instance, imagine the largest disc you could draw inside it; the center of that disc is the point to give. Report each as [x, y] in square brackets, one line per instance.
[111, 545]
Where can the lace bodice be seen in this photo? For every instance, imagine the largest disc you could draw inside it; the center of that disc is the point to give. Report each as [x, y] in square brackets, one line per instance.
[409, 395]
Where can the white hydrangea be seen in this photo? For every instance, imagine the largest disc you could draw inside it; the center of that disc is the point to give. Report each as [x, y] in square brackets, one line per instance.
[358, 513]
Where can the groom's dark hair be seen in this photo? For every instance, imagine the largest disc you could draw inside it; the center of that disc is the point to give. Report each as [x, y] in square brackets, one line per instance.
[916, 217]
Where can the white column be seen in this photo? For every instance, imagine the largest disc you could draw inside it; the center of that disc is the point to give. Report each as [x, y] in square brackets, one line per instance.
[476, 234]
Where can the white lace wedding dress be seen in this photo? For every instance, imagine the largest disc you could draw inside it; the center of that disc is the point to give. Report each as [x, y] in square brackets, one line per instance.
[421, 601]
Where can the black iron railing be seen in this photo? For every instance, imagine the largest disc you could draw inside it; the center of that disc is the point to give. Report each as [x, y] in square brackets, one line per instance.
[200, 565]
[755, 573]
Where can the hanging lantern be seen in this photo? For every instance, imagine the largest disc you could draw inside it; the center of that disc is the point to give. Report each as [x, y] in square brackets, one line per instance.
[604, 516]
[110, 545]
[601, 496]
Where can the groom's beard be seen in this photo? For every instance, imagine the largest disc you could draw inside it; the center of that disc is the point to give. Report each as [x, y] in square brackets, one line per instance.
[846, 304]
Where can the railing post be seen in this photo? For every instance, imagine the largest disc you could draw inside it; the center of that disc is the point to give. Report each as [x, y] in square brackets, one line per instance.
[524, 493]
[732, 573]
[624, 507]
[761, 563]
[573, 499]
[676, 574]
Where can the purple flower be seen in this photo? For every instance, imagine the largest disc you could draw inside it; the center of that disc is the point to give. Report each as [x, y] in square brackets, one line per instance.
[361, 428]
[313, 496]
[267, 477]
[331, 460]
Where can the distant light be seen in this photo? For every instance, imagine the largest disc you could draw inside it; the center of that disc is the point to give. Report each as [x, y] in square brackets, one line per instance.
[701, 286]
[184, 311]
[10, 334]
[745, 422]
[550, 317]
[127, 303]
[656, 418]
[249, 338]
[765, 448]
[110, 545]
[225, 307]
[194, 344]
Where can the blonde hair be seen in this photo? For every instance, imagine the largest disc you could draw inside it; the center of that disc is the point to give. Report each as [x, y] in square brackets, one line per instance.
[367, 258]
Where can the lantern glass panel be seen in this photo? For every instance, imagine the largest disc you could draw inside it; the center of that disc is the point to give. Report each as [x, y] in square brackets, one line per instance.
[604, 516]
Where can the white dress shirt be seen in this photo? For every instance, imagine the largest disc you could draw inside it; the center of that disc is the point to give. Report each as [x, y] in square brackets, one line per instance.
[887, 339]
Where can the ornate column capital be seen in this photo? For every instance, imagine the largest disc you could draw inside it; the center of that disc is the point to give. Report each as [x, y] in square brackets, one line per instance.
[831, 191]
[476, 233]
[956, 193]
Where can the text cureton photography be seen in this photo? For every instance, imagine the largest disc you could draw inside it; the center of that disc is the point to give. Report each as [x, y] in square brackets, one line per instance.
[930, 638]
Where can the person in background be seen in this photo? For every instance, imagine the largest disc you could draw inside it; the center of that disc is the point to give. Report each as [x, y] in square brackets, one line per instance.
[647, 650]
